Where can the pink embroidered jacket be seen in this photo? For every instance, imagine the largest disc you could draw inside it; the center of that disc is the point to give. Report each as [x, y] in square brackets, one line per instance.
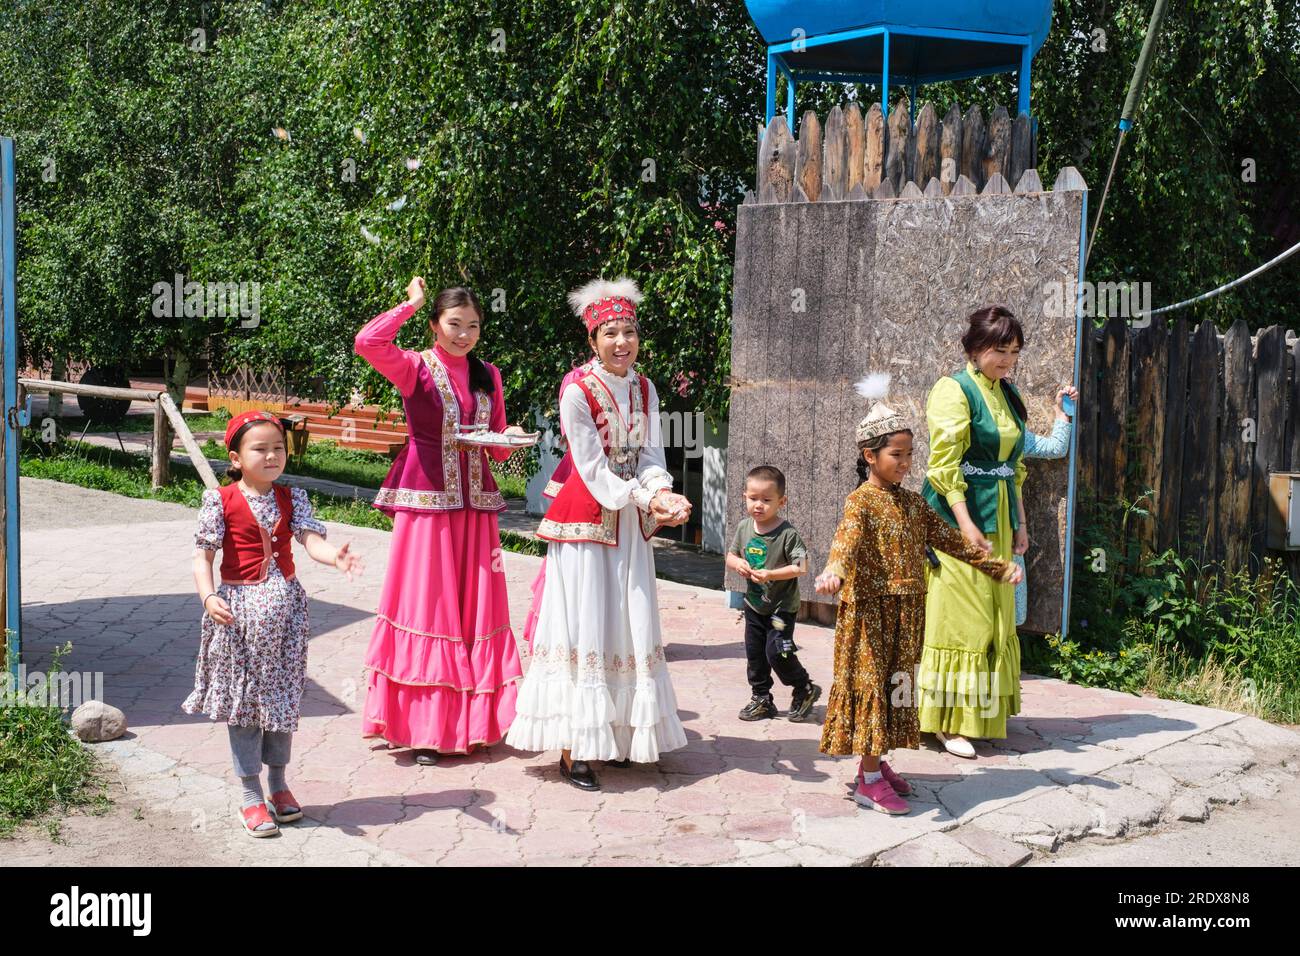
[429, 474]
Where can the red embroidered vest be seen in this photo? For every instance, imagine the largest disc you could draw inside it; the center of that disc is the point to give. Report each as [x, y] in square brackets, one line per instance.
[575, 515]
[247, 550]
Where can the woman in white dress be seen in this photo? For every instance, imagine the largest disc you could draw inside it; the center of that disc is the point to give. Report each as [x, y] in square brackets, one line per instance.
[598, 685]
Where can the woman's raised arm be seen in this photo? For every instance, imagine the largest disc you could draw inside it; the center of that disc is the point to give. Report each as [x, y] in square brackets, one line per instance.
[375, 343]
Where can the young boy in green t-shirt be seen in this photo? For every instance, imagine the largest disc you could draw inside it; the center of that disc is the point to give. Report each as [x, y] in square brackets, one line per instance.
[768, 553]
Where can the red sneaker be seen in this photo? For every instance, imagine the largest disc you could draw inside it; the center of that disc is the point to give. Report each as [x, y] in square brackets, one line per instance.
[284, 806]
[879, 796]
[257, 822]
[901, 786]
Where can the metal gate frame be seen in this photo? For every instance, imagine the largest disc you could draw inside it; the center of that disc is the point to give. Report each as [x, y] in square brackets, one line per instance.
[14, 417]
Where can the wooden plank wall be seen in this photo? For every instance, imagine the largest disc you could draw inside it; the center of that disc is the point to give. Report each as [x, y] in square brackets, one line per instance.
[1208, 417]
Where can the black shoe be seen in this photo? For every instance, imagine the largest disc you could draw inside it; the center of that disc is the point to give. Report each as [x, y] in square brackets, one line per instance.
[426, 758]
[620, 764]
[759, 708]
[580, 774]
[801, 704]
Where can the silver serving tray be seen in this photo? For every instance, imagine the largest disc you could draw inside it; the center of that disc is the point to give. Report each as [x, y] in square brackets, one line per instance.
[473, 435]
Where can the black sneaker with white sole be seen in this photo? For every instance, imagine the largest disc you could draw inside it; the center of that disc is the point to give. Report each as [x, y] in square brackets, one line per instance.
[759, 708]
[801, 704]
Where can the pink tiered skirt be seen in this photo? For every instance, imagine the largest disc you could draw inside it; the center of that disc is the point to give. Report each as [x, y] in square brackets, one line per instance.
[443, 667]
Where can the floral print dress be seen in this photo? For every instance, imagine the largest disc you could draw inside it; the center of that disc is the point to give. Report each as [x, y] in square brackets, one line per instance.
[252, 673]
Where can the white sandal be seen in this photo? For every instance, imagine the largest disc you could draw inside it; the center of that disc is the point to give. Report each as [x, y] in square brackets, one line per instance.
[957, 746]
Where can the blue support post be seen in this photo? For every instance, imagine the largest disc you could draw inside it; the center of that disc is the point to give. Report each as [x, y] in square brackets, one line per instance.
[1071, 493]
[771, 87]
[1026, 67]
[884, 77]
[8, 291]
[789, 100]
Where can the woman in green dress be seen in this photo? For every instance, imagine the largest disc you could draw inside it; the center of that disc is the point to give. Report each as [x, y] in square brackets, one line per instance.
[969, 678]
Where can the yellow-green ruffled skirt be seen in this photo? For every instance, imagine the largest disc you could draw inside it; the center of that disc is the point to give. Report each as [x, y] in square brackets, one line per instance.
[969, 678]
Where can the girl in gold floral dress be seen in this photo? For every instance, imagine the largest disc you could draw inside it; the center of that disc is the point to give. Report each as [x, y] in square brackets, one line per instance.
[877, 564]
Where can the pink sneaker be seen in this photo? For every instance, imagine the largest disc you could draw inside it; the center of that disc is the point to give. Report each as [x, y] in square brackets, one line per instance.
[879, 796]
[901, 786]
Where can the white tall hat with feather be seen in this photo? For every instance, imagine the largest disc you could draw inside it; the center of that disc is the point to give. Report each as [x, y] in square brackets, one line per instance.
[603, 300]
[881, 419]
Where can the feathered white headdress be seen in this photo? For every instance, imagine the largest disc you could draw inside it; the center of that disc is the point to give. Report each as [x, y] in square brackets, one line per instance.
[602, 300]
[881, 419]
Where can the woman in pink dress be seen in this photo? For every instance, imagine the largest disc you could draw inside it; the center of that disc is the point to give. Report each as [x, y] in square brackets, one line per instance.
[443, 668]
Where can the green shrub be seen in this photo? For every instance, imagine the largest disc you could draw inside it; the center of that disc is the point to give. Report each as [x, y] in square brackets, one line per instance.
[43, 768]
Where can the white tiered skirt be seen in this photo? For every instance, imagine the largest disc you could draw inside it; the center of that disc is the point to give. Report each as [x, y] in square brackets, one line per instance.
[598, 682]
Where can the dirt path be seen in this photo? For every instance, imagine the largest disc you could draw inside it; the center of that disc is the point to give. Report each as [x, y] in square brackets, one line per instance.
[131, 833]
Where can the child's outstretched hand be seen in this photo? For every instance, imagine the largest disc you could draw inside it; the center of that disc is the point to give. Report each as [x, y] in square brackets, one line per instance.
[218, 609]
[827, 583]
[347, 562]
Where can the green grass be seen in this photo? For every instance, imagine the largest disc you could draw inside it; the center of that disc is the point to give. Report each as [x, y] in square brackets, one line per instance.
[203, 422]
[107, 469]
[43, 768]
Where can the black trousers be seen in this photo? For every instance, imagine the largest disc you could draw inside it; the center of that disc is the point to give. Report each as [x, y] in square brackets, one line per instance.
[763, 652]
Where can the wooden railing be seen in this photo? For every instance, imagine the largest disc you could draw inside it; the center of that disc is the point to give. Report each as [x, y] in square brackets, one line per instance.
[165, 413]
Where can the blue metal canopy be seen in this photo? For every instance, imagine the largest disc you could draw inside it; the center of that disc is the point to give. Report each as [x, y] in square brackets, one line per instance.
[901, 42]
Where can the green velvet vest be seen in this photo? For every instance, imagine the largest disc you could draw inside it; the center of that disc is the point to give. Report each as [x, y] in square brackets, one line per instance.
[980, 462]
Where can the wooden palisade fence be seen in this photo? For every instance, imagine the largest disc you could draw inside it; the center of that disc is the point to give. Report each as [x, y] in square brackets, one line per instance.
[859, 157]
[1200, 419]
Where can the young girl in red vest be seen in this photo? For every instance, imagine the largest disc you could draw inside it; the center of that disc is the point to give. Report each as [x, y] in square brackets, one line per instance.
[253, 650]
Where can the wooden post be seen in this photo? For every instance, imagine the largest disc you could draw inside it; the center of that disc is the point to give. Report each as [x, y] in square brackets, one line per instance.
[1020, 156]
[1175, 403]
[1197, 505]
[1089, 402]
[1149, 360]
[776, 163]
[835, 150]
[187, 439]
[1292, 438]
[997, 149]
[1112, 445]
[950, 149]
[972, 147]
[900, 137]
[161, 470]
[855, 135]
[873, 170]
[808, 157]
[927, 146]
[1236, 456]
[1270, 441]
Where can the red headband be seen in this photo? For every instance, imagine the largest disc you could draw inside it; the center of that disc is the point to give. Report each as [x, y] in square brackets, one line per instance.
[608, 309]
[243, 418]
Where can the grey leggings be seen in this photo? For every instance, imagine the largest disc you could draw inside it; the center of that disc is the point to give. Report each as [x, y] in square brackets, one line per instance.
[251, 747]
